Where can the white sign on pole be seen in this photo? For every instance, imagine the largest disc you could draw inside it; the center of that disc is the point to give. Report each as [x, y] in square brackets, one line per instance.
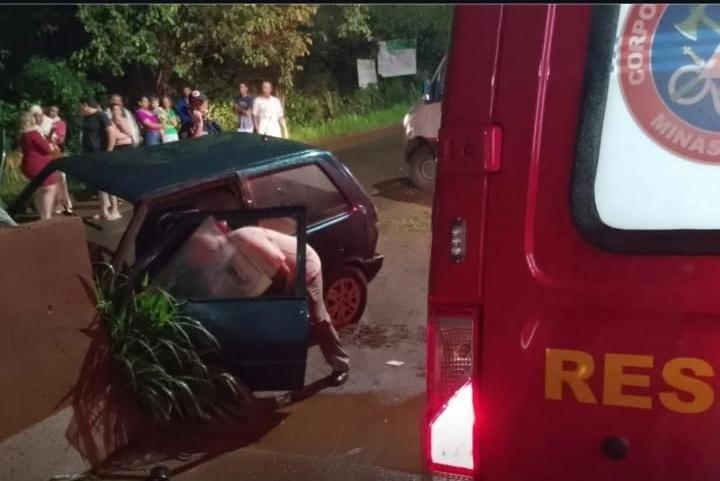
[397, 58]
[366, 72]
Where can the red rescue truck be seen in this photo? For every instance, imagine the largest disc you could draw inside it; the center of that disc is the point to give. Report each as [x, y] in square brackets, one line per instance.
[574, 295]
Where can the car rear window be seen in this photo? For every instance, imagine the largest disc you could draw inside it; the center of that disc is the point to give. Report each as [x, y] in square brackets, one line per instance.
[648, 157]
[305, 185]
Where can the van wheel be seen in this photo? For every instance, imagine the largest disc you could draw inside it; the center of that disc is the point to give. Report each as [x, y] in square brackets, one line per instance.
[423, 165]
[346, 296]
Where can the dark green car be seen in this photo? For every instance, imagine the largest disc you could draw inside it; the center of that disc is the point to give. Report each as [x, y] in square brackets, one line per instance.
[243, 179]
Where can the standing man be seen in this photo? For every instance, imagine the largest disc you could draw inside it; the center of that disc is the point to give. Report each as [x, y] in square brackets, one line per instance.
[116, 99]
[98, 135]
[183, 107]
[244, 110]
[268, 114]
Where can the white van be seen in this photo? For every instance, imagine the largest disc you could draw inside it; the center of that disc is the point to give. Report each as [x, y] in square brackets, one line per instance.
[422, 124]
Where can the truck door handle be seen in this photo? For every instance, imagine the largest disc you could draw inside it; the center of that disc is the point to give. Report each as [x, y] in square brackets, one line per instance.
[492, 149]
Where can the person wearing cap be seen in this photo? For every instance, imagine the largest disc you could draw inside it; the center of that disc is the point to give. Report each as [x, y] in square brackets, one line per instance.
[201, 123]
[116, 99]
[198, 110]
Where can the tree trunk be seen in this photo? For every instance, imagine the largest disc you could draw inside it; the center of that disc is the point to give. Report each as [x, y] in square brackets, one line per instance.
[162, 79]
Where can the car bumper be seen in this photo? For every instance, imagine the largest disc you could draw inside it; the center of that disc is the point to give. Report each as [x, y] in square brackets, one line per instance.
[371, 266]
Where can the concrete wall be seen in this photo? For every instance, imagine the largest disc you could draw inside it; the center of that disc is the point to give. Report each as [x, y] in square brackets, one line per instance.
[54, 369]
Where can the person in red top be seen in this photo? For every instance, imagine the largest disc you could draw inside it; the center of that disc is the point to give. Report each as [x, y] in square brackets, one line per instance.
[58, 132]
[37, 154]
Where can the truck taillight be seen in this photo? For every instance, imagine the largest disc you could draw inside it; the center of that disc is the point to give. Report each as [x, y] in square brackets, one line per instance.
[451, 414]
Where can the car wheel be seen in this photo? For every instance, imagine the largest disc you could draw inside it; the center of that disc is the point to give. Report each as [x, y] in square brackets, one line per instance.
[346, 296]
[423, 164]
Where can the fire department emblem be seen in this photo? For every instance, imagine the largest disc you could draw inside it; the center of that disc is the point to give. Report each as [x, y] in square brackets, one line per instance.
[669, 68]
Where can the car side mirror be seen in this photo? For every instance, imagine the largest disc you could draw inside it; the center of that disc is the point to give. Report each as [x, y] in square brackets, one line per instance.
[427, 91]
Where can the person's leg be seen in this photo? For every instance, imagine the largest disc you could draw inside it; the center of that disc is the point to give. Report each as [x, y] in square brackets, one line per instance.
[63, 194]
[114, 211]
[45, 201]
[104, 205]
[153, 138]
[323, 329]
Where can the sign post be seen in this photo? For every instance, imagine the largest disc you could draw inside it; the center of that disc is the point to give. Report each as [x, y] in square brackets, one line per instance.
[397, 58]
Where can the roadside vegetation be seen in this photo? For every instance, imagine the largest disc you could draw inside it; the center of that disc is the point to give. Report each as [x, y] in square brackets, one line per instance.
[75, 51]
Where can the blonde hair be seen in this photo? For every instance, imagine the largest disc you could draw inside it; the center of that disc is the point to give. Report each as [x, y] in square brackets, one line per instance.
[36, 110]
[27, 122]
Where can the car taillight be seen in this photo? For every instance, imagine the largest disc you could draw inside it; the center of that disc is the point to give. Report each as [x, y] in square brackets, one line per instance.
[451, 412]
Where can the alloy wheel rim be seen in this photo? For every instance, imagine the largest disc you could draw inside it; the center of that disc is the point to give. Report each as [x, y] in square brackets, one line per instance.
[343, 300]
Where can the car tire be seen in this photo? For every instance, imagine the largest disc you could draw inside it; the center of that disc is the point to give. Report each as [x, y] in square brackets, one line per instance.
[422, 163]
[346, 296]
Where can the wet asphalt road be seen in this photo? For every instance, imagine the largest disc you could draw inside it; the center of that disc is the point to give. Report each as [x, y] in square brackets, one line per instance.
[367, 429]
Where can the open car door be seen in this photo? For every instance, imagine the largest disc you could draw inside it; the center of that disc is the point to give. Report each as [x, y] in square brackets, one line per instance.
[263, 338]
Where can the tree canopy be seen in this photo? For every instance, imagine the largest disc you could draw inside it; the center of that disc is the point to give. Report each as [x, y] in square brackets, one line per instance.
[179, 41]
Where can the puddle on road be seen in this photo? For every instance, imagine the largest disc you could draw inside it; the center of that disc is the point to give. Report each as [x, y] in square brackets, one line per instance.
[376, 336]
[370, 429]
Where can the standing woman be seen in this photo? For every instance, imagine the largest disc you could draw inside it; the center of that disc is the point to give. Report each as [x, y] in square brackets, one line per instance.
[170, 120]
[152, 128]
[58, 132]
[37, 154]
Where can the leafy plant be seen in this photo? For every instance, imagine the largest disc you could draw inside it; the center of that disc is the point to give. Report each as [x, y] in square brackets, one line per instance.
[168, 360]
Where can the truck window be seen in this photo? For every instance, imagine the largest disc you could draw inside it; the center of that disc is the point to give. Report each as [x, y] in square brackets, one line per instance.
[648, 158]
[305, 185]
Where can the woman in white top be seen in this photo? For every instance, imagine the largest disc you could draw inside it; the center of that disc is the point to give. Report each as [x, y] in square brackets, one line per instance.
[268, 114]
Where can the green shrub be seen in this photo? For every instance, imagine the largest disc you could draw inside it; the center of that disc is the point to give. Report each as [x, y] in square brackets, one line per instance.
[302, 108]
[223, 113]
[165, 358]
[10, 122]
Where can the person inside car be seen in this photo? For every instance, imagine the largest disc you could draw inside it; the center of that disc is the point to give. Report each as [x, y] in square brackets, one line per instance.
[252, 261]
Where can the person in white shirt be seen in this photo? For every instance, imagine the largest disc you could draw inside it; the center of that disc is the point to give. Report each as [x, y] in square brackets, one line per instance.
[268, 114]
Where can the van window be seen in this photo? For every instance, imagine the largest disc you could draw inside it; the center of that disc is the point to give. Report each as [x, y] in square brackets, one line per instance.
[305, 185]
[648, 160]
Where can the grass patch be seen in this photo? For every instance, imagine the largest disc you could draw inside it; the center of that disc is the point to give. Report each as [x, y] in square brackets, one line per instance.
[349, 124]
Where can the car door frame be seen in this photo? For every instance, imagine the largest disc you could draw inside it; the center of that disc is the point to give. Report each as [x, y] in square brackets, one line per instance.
[185, 220]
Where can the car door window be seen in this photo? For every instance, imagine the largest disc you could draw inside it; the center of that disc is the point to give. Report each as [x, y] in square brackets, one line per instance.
[306, 185]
